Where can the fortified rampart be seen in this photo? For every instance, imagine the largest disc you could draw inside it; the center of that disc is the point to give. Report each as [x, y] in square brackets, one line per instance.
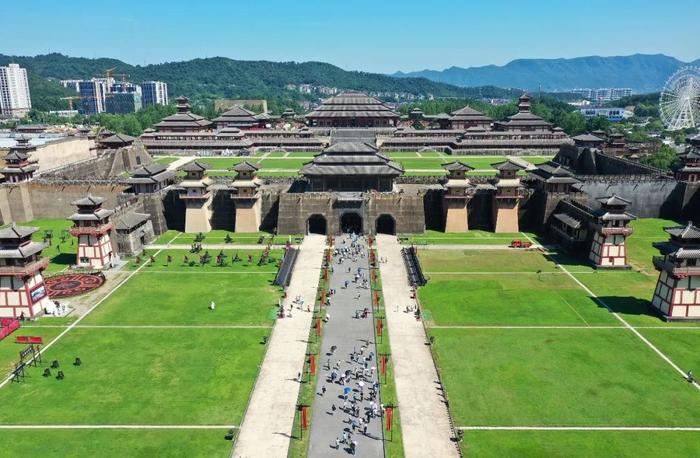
[63, 151]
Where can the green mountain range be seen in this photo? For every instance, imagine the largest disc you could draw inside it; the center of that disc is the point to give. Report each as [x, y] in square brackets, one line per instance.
[641, 72]
[204, 80]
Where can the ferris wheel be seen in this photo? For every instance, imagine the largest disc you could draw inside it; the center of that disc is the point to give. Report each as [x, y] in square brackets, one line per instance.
[679, 104]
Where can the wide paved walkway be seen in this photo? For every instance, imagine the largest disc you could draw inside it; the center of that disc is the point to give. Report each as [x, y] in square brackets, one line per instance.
[267, 425]
[348, 332]
[425, 424]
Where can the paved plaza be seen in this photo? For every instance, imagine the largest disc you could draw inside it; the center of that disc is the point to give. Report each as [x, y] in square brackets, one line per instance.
[347, 332]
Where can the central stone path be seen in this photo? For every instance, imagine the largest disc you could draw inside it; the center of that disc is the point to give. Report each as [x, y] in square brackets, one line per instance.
[348, 332]
[267, 426]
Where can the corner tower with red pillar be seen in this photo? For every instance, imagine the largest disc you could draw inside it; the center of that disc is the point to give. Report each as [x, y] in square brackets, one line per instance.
[22, 290]
[19, 166]
[93, 228]
[611, 226]
[677, 293]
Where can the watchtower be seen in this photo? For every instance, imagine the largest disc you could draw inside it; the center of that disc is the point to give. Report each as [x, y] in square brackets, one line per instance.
[93, 227]
[18, 165]
[677, 293]
[22, 290]
[506, 199]
[458, 193]
[611, 229]
[246, 196]
[197, 197]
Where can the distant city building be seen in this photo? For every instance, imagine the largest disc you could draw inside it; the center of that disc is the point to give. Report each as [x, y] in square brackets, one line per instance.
[71, 84]
[15, 100]
[64, 113]
[154, 93]
[123, 102]
[92, 97]
[613, 114]
[603, 94]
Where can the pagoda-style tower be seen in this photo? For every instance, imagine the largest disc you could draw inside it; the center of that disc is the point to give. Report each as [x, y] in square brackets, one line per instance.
[246, 196]
[611, 229]
[197, 197]
[677, 293]
[22, 290]
[18, 165]
[458, 193]
[690, 168]
[506, 199]
[93, 228]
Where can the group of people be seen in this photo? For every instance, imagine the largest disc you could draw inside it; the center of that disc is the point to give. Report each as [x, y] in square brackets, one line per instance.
[350, 384]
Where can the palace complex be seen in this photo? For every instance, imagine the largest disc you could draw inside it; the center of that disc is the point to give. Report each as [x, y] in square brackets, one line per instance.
[583, 198]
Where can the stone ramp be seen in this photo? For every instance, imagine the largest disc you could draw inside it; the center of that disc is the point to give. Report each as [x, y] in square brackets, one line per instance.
[267, 425]
[425, 423]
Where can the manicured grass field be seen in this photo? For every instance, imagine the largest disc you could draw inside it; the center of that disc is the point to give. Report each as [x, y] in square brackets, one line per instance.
[580, 444]
[183, 299]
[473, 237]
[165, 160]
[115, 443]
[152, 353]
[218, 236]
[520, 348]
[141, 376]
[574, 377]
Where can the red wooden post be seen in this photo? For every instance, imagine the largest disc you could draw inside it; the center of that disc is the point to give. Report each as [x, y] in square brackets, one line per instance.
[323, 297]
[382, 366]
[312, 364]
[318, 327]
[380, 326]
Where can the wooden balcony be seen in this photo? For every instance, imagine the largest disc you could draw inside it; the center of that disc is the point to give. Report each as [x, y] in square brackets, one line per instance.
[25, 270]
[660, 263]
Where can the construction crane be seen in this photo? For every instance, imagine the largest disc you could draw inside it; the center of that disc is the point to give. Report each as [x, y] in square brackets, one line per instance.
[70, 100]
[80, 97]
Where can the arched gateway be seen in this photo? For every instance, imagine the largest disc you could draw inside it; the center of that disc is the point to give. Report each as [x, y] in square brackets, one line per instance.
[386, 224]
[316, 224]
[351, 222]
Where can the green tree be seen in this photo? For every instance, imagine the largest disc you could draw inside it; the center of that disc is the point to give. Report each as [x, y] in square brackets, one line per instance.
[664, 158]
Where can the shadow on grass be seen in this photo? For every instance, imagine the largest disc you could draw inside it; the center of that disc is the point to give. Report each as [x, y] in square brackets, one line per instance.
[629, 306]
[65, 259]
[567, 259]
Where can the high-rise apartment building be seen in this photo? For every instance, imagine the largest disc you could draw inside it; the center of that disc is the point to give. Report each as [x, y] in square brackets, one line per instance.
[154, 93]
[15, 100]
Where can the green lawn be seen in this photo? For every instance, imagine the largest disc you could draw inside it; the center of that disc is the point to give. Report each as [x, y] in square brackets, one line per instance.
[61, 254]
[581, 444]
[165, 160]
[484, 261]
[218, 236]
[681, 345]
[473, 237]
[115, 443]
[585, 377]
[510, 299]
[179, 294]
[141, 376]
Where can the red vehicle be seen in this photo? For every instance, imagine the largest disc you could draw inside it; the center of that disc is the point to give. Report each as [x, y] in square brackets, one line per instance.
[520, 244]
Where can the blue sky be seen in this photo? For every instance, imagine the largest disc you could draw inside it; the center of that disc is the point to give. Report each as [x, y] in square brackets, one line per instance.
[378, 36]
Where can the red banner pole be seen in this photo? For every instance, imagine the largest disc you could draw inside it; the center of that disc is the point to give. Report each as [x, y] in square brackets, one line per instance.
[304, 418]
[318, 327]
[312, 364]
